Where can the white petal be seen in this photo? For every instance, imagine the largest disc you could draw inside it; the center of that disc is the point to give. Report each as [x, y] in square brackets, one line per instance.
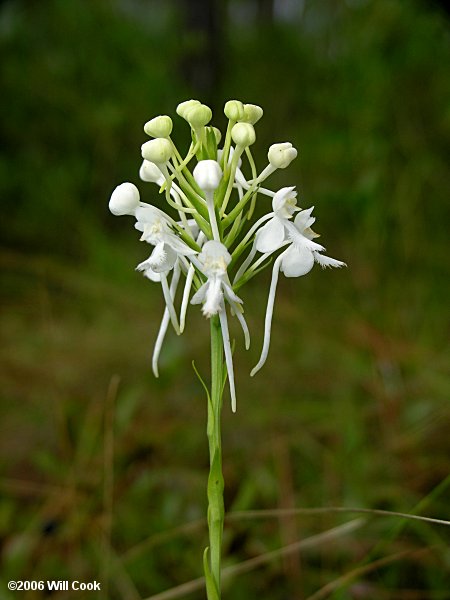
[304, 219]
[151, 173]
[299, 239]
[284, 202]
[124, 199]
[162, 258]
[150, 274]
[326, 261]
[146, 269]
[214, 298]
[149, 214]
[200, 294]
[240, 179]
[297, 261]
[271, 236]
[229, 293]
[213, 251]
[178, 245]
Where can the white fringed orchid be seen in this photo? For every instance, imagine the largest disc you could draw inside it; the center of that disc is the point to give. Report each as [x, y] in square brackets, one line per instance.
[278, 230]
[214, 200]
[207, 247]
[155, 227]
[297, 260]
[213, 262]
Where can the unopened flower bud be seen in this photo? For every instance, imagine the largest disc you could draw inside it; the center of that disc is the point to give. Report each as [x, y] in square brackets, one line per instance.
[252, 113]
[281, 155]
[124, 199]
[198, 115]
[243, 134]
[159, 127]
[183, 107]
[217, 133]
[234, 110]
[151, 173]
[208, 175]
[157, 151]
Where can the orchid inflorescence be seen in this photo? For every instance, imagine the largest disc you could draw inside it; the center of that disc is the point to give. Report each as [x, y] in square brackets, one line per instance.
[211, 233]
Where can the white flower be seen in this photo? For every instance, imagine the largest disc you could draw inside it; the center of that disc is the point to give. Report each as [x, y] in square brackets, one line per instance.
[161, 260]
[151, 173]
[165, 321]
[297, 260]
[208, 175]
[193, 229]
[278, 231]
[274, 234]
[157, 151]
[124, 200]
[155, 228]
[213, 261]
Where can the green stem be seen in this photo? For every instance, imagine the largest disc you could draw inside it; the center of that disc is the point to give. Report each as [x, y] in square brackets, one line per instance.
[216, 511]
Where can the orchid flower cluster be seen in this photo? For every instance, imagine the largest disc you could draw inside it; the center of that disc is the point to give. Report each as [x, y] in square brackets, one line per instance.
[209, 238]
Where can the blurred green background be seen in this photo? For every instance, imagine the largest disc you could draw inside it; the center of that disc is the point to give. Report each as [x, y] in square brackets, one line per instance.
[103, 467]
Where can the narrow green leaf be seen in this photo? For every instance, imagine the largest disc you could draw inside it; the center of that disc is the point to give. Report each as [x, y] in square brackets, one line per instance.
[211, 588]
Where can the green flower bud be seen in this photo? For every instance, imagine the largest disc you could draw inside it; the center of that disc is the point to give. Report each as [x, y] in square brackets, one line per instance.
[281, 155]
[252, 113]
[234, 110]
[183, 107]
[157, 151]
[159, 127]
[243, 134]
[217, 133]
[198, 116]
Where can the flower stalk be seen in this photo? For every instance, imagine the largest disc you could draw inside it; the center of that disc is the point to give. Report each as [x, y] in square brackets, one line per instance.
[216, 511]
